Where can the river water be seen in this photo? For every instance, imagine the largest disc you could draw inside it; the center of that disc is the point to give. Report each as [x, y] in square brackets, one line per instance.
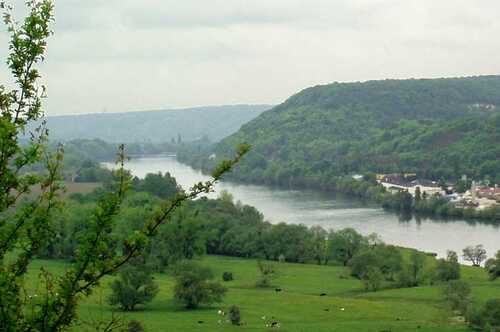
[331, 211]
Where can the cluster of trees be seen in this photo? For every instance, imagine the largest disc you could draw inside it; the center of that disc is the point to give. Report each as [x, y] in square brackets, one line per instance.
[458, 293]
[404, 203]
[379, 265]
[223, 227]
[480, 316]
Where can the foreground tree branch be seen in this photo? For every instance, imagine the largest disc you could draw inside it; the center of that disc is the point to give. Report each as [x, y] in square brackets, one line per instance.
[25, 220]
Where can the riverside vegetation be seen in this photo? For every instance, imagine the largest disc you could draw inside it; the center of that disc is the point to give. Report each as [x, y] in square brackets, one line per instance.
[71, 264]
[440, 129]
[356, 266]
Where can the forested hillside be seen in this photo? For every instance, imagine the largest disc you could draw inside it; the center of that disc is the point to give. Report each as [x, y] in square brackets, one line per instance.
[438, 128]
[212, 123]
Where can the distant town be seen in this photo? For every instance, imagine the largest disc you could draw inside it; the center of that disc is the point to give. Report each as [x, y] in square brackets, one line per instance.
[478, 195]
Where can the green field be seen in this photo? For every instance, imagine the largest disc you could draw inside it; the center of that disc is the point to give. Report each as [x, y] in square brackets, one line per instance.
[299, 307]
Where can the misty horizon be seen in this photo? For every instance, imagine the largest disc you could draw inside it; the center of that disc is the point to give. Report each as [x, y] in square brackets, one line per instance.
[109, 57]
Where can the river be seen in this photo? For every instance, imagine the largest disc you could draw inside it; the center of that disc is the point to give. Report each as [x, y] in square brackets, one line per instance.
[331, 211]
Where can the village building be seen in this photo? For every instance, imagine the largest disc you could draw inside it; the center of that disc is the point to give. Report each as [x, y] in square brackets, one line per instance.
[489, 193]
[403, 182]
[479, 197]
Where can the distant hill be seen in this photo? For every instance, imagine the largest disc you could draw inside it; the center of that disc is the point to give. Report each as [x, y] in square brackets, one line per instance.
[435, 127]
[191, 124]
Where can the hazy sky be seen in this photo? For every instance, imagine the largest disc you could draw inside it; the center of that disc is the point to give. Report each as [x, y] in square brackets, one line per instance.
[123, 55]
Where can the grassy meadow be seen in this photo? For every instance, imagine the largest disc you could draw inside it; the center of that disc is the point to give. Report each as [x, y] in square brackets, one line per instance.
[298, 307]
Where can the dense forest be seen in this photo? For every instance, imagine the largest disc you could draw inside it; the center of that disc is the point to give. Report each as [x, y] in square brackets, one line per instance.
[438, 128]
[212, 123]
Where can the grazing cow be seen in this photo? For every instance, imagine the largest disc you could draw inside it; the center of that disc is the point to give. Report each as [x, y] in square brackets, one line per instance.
[278, 289]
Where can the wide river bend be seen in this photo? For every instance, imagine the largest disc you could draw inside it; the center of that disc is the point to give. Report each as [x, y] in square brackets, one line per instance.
[331, 211]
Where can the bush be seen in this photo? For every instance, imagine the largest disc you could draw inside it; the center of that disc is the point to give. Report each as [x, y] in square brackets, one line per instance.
[473, 317]
[412, 274]
[134, 326]
[449, 268]
[235, 315]
[267, 274]
[134, 286]
[404, 279]
[363, 262]
[491, 314]
[486, 318]
[344, 244]
[193, 286]
[386, 259]
[457, 293]
[373, 279]
[493, 266]
[227, 276]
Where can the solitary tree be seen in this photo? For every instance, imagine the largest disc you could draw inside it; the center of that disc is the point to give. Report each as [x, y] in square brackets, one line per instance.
[193, 285]
[134, 286]
[25, 227]
[476, 255]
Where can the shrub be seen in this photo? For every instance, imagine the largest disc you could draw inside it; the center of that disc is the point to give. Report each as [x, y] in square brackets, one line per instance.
[403, 278]
[473, 317]
[344, 244]
[363, 262]
[457, 293]
[193, 286]
[134, 286]
[449, 268]
[267, 274]
[373, 279]
[492, 265]
[387, 259]
[412, 274]
[227, 276]
[491, 314]
[134, 326]
[235, 315]
[486, 318]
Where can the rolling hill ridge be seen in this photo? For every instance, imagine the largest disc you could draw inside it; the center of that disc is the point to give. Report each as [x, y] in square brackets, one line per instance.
[439, 128]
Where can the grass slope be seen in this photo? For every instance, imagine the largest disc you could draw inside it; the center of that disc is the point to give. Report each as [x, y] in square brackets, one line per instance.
[299, 307]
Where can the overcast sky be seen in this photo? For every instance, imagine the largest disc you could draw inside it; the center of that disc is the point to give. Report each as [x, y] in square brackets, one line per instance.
[125, 55]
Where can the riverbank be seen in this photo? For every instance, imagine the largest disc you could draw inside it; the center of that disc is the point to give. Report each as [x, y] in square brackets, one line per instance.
[312, 207]
[365, 188]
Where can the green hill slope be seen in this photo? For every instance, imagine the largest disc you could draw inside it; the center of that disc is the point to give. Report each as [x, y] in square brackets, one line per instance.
[299, 307]
[435, 127]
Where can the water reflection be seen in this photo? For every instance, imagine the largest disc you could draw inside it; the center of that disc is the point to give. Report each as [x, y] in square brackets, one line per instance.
[336, 212]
